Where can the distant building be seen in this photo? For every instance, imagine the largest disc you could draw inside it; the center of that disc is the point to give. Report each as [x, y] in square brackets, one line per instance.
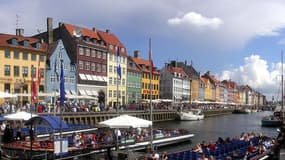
[134, 77]
[20, 58]
[174, 84]
[145, 67]
[56, 53]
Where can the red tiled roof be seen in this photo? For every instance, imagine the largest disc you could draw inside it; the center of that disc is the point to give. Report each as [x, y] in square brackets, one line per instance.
[112, 39]
[139, 62]
[204, 80]
[85, 32]
[4, 42]
[177, 70]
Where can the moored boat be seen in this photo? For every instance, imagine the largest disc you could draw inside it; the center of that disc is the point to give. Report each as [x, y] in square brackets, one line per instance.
[191, 115]
[271, 121]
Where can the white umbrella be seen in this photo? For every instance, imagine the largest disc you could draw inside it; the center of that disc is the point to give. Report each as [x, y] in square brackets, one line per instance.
[126, 121]
[6, 95]
[22, 115]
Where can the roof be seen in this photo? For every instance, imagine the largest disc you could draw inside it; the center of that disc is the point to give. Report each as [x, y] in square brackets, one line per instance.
[5, 38]
[85, 32]
[177, 70]
[204, 80]
[54, 122]
[146, 63]
[112, 39]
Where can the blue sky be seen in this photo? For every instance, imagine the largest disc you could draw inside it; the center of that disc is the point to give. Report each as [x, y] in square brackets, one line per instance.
[239, 40]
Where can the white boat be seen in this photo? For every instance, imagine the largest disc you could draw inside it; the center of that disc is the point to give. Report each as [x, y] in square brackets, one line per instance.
[192, 115]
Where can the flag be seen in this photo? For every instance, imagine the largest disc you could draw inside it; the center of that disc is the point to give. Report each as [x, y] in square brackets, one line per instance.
[39, 73]
[150, 59]
[34, 87]
[118, 62]
[62, 90]
[55, 70]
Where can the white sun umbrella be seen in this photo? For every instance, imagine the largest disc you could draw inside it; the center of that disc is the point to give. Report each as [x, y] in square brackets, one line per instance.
[6, 95]
[126, 121]
[22, 115]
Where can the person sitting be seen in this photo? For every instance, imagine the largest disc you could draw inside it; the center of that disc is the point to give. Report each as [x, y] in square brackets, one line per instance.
[251, 148]
[155, 155]
[164, 156]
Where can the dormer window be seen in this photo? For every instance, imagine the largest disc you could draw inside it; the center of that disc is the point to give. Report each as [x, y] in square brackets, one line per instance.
[122, 50]
[111, 46]
[86, 38]
[94, 40]
[37, 45]
[14, 41]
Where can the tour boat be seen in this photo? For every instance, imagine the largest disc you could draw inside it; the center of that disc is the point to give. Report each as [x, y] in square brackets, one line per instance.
[192, 115]
[273, 120]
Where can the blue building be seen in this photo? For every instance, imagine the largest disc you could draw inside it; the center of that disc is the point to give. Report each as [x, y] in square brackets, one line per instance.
[56, 53]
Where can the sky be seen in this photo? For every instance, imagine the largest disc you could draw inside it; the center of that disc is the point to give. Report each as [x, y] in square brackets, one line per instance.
[237, 40]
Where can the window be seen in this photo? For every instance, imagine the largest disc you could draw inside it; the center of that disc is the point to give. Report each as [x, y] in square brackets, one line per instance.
[110, 68]
[16, 71]
[93, 67]
[16, 55]
[98, 67]
[111, 46]
[87, 52]
[87, 65]
[104, 68]
[110, 93]
[110, 57]
[52, 78]
[80, 64]
[7, 54]
[115, 69]
[42, 73]
[110, 80]
[115, 93]
[34, 57]
[123, 82]
[25, 56]
[42, 58]
[124, 71]
[25, 71]
[99, 54]
[7, 70]
[81, 51]
[104, 55]
[93, 53]
[72, 79]
[72, 67]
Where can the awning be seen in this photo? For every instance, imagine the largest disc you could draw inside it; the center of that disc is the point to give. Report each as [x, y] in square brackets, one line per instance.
[82, 76]
[82, 92]
[67, 92]
[105, 79]
[73, 92]
[95, 93]
[89, 77]
[89, 92]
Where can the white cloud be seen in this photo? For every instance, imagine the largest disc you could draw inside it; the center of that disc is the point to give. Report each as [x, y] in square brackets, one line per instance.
[195, 19]
[256, 73]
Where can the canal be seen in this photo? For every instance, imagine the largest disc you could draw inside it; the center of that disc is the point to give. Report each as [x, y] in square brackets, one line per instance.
[223, 126]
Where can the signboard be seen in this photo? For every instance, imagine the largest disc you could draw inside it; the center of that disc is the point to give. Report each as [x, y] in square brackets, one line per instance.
[64, 146]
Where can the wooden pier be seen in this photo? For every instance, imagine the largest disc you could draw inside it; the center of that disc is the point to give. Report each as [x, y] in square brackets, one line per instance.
[93, 118]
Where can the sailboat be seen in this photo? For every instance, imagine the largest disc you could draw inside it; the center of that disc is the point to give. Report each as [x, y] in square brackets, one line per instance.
[275, 120]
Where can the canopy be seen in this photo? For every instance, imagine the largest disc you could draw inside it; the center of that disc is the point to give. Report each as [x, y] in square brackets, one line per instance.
[6, 95]
[126, 121]
[22, 115]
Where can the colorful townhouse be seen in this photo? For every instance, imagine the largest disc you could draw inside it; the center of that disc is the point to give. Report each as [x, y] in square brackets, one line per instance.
[55, 54]
[202, 87]
[174, 84]
[213, 91]
[145, 67]
[88, 52]
[134, 77]
[194, 79]
[116, 57]
[21, 58]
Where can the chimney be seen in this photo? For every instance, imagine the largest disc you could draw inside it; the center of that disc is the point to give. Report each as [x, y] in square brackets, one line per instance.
[94, 29]
[108, 31]
[137, 54]
[49, 30]
[59, 24]
[19, 32]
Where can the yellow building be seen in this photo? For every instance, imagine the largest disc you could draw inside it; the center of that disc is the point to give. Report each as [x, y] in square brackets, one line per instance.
[18, 55]
[115, 93]
[145, 67]
[194, 94]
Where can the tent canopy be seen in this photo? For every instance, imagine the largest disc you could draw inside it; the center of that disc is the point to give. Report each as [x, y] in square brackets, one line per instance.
[52, 121]
[126, 121]
[19, 116]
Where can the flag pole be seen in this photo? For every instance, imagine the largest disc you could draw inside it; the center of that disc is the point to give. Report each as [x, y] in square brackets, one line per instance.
[150, 86]
[62, 97]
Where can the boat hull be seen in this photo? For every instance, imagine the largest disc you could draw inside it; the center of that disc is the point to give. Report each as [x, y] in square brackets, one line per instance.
[190, 117]
[271, 123]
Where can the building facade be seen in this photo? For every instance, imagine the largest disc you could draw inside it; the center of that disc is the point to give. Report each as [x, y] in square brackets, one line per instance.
[21, 58]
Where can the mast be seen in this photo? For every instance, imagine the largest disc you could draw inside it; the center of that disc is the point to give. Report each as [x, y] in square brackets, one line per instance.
[282, 89]
[150, 86]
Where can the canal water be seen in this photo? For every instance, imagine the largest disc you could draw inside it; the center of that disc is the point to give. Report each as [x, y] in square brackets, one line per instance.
[223, 126]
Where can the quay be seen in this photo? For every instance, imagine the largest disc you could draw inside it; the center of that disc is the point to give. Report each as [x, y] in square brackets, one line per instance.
[93, 118]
